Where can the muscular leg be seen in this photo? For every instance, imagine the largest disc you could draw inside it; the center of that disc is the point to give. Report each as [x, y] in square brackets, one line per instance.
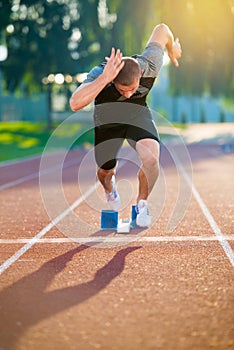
[106, 150]
[104, 176]
[148, 151]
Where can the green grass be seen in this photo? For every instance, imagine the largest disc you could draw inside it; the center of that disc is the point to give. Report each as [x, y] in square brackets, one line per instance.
[22, 139]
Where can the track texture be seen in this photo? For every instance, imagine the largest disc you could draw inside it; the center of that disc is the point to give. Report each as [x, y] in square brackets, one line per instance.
[175, 294]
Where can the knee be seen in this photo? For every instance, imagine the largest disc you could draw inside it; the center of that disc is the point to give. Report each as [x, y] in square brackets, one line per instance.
[148, 151]
[150, 161]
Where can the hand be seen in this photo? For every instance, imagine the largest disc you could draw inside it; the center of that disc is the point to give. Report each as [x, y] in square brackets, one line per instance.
[114, 65]
[175, 52]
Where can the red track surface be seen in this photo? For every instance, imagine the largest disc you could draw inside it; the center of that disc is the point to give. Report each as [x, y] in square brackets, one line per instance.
[174, 291]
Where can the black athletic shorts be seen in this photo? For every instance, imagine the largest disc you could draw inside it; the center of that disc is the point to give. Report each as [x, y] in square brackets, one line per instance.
[110, 137]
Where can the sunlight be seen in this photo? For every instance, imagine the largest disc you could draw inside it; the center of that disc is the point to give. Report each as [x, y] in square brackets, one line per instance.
[3, 53]
[166, 59]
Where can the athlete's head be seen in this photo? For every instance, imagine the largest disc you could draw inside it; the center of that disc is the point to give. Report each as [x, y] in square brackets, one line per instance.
[127, 81]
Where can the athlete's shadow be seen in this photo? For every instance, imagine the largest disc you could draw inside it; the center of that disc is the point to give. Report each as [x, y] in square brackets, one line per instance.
[26, 302]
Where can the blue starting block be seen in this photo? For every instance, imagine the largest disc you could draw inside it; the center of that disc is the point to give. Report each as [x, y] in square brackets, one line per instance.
[133, 217]
[110, 221]
[227, 147]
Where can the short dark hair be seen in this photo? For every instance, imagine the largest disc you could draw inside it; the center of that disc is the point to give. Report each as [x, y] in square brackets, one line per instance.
[129, 73]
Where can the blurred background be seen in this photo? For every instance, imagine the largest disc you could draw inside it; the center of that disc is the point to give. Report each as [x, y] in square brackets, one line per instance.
[48, 46]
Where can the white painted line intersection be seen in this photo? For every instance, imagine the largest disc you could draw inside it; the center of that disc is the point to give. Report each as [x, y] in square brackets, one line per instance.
[28, 243]
[47, 228]
[127, 238]
[217, 231]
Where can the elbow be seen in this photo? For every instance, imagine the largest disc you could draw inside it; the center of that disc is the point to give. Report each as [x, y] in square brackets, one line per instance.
[161, 34]
[162, 27]
[73, 105]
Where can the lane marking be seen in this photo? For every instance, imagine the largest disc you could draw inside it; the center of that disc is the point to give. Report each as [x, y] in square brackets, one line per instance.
[35, 175]
[53, 223]
[6, 163]
[19, 181]
[38, 237]
[120, 239]
[220, 236]
[21, 260]
[46, 229]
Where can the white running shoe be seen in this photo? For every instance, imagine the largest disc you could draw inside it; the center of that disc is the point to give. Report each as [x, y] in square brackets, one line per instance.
[143, 218]
[113, 197]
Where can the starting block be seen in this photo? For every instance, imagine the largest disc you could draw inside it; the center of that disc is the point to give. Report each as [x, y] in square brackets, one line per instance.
[110, 221]
[133, 217]
[123, 226]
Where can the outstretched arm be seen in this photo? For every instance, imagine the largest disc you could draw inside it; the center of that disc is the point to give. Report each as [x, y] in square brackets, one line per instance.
[164, 36]
[87, 92]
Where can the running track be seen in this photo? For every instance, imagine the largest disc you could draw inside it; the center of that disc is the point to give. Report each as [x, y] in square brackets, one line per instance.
[89, 289]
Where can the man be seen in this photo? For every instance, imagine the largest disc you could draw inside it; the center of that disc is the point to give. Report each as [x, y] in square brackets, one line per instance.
[126, 81]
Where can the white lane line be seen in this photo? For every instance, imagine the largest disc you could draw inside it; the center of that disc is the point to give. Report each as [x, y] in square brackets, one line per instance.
[19, 181]
[127, 238]
[6, 163]
[46, 229]
[220, 236]
[35, 175]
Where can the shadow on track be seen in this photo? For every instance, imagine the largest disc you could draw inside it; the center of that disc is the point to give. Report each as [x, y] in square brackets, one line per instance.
[26, 302]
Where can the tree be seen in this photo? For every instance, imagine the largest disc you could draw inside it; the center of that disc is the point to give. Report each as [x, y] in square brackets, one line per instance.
[37, 40]
[70, 36]
[53, 36]
[131, 29]
[5, 11]
[206, 30]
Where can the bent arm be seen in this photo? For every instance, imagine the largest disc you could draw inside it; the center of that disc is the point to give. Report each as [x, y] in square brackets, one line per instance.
[164, 36]
[87, 92]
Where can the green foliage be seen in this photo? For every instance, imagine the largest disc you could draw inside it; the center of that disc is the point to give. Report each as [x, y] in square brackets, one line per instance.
[21, 139]
[205, 29]
[130, 31]
[71, 36]
[33, 45]
[228, 104]
[5, 12]
[49, 37]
